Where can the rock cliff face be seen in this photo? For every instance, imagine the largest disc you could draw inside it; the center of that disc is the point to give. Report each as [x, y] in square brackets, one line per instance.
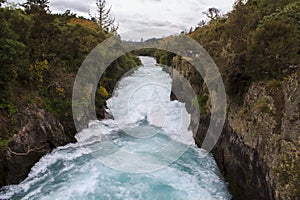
[40, 133]
[259, 149]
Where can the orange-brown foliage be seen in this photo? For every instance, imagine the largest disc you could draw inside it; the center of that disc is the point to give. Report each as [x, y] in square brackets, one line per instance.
[84, 22]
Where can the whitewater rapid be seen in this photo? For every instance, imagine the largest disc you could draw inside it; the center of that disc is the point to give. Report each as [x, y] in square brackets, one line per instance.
[145, 152]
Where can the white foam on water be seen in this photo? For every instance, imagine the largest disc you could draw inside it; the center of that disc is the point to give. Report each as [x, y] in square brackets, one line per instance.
[145, 122]
[146, 95]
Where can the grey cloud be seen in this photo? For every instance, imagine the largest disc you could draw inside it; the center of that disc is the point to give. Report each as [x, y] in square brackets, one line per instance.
[166, 14]
[80, 6]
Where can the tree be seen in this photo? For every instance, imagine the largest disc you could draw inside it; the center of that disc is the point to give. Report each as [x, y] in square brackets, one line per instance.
[212, 13]
[201, 23]
[36, 6]
[13, 54]
[2, 2]
[103, 18]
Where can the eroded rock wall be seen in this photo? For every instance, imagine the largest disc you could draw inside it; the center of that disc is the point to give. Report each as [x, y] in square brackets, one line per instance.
[259, 149]
[40, 133]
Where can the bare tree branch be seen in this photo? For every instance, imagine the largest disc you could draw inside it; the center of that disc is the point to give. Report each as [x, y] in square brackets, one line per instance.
[29, 150]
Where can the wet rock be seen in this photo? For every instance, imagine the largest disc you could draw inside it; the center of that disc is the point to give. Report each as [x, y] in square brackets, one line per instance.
[40, 134]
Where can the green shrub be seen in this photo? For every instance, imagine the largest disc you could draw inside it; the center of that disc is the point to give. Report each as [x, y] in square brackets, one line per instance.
[202, 101]
[9, 107]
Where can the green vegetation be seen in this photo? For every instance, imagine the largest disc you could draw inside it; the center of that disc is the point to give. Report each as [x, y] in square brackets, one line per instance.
[263, 105]
[274, 84]
[40, 54]
[9, 107]
[202, 101]
[164, 57]
[4, 143]
[258, 40]
[288, 172]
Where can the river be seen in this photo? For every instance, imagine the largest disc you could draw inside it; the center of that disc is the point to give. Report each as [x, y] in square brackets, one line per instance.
[122, 158]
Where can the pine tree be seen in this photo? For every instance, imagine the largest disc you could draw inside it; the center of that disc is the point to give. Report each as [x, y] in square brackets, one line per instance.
[103, 18]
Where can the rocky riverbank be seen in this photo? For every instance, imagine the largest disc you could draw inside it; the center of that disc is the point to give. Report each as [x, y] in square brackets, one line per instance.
[37, 132]
[40, 133]
[259, 149]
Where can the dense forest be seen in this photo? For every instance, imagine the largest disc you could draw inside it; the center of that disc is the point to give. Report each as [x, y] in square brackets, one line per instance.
[40, 54]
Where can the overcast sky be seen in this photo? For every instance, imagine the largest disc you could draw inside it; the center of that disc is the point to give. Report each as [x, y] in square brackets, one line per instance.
[145, 16]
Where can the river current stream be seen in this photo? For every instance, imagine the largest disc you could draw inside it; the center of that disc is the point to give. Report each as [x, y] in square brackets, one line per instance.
[129, 157]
